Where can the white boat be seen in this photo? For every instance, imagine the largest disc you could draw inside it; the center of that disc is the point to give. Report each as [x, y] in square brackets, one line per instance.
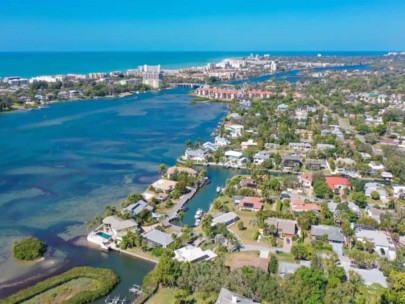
[105, 246]
[198, 214]
[219, 189]
[135, 289]
[197, 222]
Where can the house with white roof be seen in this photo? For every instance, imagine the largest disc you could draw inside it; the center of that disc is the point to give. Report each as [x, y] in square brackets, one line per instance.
[235, 130]
[383, 243]
[164, 185]
[260, 157]
[193, 254]
[195, 155]
[376, 166]
[221, 141]
[398, 191]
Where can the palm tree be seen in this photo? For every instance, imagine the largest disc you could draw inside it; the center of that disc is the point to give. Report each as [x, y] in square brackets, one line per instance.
[162, 168]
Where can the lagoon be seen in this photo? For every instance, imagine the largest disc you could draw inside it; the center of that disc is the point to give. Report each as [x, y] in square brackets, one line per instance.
[62, 164]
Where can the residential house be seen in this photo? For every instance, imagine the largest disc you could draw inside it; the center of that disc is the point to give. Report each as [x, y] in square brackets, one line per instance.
[285, 228]
[224, 218]
[344, 162]
[387, 175]
[251, 203]
[399, 191]
[198, 155]
[376, 187]
[334, 234]
[291, 162]
[164, 185]
[383, 243]
[180, 170]
[157, 238]
[247, 144]
[136, 208]
[192, 254]
[337, 182]
[290, 268]
[315, 164]
[305, 207]
[228, 297]
[282, 107]
[354, 208]
[272, 146]
[248, 183]
[221, 141]
[305, 180]
[301, 146]
[376, 213]
[376, 166]
[118, 227]
[260, 157]
[324, 147]
[210, 147]
[235, 130]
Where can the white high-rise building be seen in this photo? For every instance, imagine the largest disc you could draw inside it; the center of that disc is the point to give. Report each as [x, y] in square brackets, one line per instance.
[273, 66]
[151, 75]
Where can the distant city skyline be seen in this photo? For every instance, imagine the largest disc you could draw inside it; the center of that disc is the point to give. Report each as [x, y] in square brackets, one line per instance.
[205, 25]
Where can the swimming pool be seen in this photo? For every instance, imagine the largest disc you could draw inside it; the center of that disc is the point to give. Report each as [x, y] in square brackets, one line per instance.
[103, 235]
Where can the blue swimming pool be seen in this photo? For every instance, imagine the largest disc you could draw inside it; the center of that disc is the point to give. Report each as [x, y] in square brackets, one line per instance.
[103, 235]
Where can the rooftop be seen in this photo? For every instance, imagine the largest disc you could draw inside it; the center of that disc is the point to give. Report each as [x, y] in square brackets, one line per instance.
[158, 237]
[228, 297]
[118, 224]
[334, 233]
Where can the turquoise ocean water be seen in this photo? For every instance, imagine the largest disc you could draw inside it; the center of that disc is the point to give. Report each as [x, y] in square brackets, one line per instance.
[41, 63]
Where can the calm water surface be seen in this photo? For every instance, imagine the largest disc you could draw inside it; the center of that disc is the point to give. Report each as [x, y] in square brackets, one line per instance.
[62, 164]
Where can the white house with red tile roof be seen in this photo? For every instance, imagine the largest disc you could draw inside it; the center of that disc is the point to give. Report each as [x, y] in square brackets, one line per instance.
[337, 182]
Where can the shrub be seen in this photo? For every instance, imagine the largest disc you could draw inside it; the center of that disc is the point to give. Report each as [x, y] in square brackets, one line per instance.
[375, 195]
[29, 249]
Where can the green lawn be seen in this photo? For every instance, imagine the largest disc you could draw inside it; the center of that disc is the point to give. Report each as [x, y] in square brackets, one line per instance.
[167, 296]
[164, 295]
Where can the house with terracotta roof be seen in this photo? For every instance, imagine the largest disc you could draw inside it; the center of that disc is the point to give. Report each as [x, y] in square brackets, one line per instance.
[306, 207]
[251, 203]
[337, 182]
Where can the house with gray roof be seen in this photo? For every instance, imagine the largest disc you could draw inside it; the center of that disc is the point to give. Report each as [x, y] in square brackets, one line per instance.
[118, 227]
[285, 228]
[334, 234]
[136, 208]
[228, 297]
[157, 238]
[224, 218]
[315, 164]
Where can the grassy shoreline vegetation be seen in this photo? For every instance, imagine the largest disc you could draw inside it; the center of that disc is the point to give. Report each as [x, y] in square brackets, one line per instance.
[75, 286]
[29, 249]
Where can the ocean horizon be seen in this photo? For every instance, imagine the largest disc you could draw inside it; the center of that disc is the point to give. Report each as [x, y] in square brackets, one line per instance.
[31, 64]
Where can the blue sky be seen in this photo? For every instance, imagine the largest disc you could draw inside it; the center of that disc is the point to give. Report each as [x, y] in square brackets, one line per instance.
[207, 25]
